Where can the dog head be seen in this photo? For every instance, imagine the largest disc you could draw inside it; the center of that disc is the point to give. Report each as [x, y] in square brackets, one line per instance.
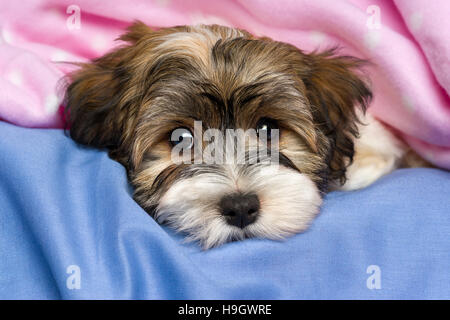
[145, 98]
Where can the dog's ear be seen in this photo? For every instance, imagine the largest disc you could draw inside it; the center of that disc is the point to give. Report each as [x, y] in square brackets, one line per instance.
[93, 103]
[100, 102]
[335, 89]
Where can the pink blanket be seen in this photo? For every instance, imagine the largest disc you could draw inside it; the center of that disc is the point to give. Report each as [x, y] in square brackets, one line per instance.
[406, 39]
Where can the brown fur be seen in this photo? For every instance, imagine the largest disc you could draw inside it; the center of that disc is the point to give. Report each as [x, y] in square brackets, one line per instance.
[129, 100]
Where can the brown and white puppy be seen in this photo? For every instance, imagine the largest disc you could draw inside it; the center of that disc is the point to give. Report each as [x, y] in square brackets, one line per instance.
[131, 101]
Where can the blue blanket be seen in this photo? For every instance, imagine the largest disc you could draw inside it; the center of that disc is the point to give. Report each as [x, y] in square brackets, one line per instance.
[70, 229]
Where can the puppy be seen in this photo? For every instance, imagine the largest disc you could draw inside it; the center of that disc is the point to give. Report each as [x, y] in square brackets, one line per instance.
[145, 98]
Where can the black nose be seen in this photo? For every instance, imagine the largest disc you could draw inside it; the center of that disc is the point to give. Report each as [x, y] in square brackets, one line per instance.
[239, 209]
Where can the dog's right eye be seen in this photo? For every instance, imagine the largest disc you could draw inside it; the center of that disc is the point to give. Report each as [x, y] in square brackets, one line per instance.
[182, 135]
[266, 126]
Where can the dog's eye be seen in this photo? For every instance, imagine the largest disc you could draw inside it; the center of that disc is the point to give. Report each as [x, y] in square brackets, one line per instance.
[265, 127]
[182, 135]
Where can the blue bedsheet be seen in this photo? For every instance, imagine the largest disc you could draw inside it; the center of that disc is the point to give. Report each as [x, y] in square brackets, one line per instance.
[67, 219]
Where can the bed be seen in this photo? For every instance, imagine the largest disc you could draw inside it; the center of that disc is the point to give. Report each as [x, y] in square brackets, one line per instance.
[70, 229]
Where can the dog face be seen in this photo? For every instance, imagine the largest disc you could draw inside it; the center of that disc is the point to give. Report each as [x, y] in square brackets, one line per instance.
[132, 101]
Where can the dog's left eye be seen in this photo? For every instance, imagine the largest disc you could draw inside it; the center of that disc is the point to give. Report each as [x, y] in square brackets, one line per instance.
[182, 135]
[265, 127]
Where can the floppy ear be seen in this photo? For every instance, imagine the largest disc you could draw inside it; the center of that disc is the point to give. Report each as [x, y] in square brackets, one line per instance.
[100, 106]
[335, 89]
[91, 103]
